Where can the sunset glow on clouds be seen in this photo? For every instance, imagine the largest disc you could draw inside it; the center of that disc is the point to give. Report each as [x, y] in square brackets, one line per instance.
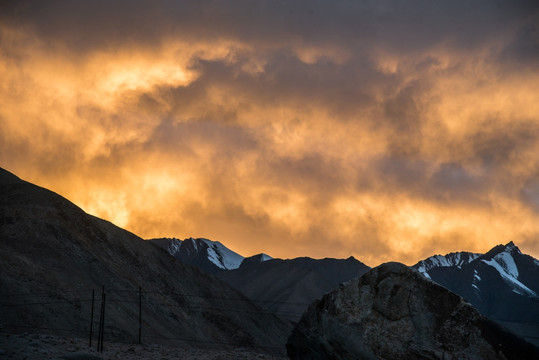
[384, 130]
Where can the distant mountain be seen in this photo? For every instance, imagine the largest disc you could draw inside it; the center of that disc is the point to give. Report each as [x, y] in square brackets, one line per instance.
[457, 259]
[171, 245]
[255, 259]
[53, 254]
[287, 287]
[207, 255]
[392, 312]
[502, 284]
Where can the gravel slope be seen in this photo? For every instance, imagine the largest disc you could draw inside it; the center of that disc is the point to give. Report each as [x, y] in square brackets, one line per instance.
[43, 347]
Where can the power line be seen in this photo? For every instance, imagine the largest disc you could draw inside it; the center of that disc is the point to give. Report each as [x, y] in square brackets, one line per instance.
[43, 328]
[45, 303]
[44, 294]
[219, 303]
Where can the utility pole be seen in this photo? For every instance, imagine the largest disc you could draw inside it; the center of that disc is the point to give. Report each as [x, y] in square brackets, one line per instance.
[101, 321]
[140, 314]
[92, 318]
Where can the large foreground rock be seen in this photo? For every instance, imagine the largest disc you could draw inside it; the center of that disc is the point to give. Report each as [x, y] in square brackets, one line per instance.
[393, 312]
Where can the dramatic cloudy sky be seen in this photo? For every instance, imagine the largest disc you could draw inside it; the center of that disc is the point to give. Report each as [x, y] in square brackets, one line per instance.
[386, 130]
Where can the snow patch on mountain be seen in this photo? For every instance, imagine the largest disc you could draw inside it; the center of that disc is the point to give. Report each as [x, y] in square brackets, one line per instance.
[174, 246]
[476, 276]
[171, 245]
[221, 256]
[265, 257]
[508, 270]
[506, 262]
[197, 251]
[452, 259]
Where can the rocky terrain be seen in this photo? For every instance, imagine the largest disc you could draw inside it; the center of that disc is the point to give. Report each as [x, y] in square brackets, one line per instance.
[49, 347]
[53, 254]
[394, 312]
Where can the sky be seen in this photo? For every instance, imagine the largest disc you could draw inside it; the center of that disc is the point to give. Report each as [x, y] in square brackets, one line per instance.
[383, 130]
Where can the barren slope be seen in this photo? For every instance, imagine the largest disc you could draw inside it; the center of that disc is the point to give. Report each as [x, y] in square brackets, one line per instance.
[53, 254]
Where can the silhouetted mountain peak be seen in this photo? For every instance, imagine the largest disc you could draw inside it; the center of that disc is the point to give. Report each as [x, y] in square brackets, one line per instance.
[457, 259]
[255, 259]
[210, 256]
[8, 178]
[509, 248]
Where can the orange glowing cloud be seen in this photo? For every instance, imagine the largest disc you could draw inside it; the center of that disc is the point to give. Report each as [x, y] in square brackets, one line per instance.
[381, 132]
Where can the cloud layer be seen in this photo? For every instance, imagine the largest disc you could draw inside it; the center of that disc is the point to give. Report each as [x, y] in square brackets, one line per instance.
[386, 130]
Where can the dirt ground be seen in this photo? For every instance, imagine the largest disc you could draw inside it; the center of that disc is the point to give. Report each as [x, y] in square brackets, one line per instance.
[51, 347]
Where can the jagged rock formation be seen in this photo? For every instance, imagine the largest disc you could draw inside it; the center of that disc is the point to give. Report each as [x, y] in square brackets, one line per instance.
[394, 312]
[457, 259]
[53, 254]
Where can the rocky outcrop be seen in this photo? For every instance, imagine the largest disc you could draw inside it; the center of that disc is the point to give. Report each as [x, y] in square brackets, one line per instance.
[393, 312]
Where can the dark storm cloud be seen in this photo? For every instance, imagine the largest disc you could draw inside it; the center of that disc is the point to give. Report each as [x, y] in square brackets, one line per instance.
[315, 173]
[498, 146]
[402, 25]
[451, 182]
[530, 193]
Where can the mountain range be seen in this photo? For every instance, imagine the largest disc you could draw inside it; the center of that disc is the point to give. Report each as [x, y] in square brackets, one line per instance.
[488, 281]
[52, 251]
[284, 287]
[503, 284]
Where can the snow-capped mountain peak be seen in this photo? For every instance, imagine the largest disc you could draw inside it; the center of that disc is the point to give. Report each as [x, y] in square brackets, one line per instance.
[172, 245]
[222, 256]
[208, 255]
[512, 248]
[504, 263]
[457, 259]
[502, 284]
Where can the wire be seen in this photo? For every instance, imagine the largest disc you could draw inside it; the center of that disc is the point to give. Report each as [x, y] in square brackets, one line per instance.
[45, 303]
[44, 294]
[44, 328]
